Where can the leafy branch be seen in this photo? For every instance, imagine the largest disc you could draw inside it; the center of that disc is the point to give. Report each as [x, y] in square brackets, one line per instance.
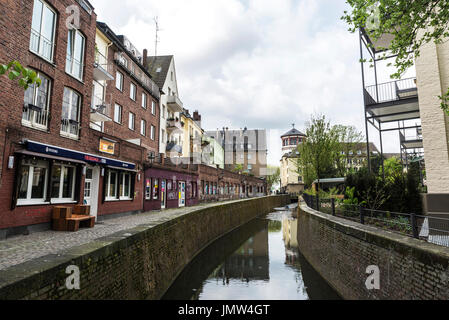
[26, 77]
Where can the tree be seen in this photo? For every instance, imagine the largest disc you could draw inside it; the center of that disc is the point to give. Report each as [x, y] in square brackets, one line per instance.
[349, 138]
[393, 169]
[238, 168]
[411, 23]
[317, 154]
[26, 76]
[273, 176]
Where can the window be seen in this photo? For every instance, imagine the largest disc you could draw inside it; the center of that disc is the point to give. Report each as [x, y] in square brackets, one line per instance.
[62, 183]
[148, 189]
[131, 124]
[118, 113]
[75, 54]
[250, 167]
[43, 30]
[155, 189]
[153, 130]
[153, 107]
[125, 186]
[163, 136]
[144, 100]
[163, 112]
[250, 156]
[32, 182]
[143, 127]
[119, 81]
[171, 76]
[35, 112]
[133, 91]
[119, 186]
[70, 113]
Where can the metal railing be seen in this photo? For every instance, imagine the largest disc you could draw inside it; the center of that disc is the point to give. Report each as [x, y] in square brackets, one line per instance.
[41, 45]
[100, 106]
[424, 227]
[391, 91]
[70, 128]
[34, 118]
[102, 62]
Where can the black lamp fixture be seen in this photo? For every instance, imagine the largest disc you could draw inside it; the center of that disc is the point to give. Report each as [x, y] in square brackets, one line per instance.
[151, 158]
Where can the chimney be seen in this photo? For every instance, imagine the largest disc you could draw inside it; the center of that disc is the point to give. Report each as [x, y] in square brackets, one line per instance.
[145, 58]
[197, 117]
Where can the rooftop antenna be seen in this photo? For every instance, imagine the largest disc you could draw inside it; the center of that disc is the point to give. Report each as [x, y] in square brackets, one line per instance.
[293, 125]
[156, 22]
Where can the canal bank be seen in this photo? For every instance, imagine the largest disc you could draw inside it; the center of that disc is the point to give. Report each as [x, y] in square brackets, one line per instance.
[346, 254]
[138, 263]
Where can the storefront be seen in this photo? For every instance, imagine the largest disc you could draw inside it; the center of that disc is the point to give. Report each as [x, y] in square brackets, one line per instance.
[47, 175]
[169, 188]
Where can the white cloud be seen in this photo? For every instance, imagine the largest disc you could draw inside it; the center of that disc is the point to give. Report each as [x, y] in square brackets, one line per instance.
[254, 63]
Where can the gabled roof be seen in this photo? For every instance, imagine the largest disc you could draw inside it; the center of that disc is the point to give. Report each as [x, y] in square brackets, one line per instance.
[293, 132]
[158, 68]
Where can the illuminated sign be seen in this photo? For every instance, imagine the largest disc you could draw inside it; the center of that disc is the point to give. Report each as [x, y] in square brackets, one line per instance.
[107, 146]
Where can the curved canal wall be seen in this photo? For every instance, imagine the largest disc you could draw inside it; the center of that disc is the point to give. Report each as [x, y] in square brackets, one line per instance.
[342, 251]
[139, 263]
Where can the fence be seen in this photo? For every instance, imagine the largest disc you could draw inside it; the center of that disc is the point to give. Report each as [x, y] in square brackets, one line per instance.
[428, 228]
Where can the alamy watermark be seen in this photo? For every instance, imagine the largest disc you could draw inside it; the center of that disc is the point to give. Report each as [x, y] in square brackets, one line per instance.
[373, 280]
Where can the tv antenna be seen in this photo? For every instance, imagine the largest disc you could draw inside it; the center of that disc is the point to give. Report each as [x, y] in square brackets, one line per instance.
[157, 40]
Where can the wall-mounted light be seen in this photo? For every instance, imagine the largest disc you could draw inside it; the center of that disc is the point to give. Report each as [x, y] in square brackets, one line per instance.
[102, 172]
[84, 170]
[138, 177]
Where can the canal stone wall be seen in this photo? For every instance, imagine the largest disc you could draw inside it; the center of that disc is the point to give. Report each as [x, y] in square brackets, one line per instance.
[139, 263]
[342, 250]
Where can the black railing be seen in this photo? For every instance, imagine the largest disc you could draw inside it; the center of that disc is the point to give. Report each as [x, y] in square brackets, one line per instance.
[424, 227]
[390, 91]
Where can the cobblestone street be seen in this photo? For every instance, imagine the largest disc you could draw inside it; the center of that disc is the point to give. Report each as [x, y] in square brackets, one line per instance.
[19, 249]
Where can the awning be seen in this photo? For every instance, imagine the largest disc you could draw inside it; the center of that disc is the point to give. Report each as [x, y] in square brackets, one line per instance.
[43, 155]
[122, 169]
[73, 155]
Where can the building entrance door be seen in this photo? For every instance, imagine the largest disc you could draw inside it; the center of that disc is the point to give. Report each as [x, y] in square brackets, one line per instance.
[91, 184]
[182, 194]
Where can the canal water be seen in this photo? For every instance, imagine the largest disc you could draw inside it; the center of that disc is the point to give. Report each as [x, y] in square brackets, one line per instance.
[258, 261]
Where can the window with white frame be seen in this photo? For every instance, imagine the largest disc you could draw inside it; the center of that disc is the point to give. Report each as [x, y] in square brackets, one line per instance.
[144, 100]
[70, 113]
[125, 186]
[143, 127]
[153, 107]
[43, 26]
[163, 112]
[112, 187]
[62, 183]
[131, 121]
[32, 182]
[163, 136]
[152, 133]
[117, 113]
[119, 81]
[75, 54]
[36, 104]
[133, 91]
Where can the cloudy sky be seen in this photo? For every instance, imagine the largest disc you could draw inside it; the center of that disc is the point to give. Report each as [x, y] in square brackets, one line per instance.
[257, 63]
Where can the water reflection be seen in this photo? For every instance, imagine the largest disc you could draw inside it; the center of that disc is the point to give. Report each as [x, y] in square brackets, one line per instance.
[258, 261]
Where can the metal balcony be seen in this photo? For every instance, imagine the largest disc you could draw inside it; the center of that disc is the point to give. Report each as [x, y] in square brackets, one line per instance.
[102, 69]
[100, 111]
[393, 101]
[174, 104]
[172, 147]
[412, 142]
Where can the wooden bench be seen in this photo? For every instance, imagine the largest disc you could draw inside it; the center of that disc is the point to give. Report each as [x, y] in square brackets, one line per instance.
[77, 221]
[65, 220]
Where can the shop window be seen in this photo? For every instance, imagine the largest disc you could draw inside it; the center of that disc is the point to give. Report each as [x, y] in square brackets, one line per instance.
[112, 185]
[169, 185]
[32, 182]
[119, 186]
[62, 184]
[125, 186]
[155, 189]
[148, 189]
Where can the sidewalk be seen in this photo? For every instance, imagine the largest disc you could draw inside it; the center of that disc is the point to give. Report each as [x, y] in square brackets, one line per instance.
[19, 249]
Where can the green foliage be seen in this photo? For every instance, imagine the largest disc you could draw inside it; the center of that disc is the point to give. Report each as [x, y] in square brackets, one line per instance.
[350, 199]
[238, 168]
[348, 139]
[317, 153]
[26, 77]
[411, 23]
[274, 176]
[393, 169]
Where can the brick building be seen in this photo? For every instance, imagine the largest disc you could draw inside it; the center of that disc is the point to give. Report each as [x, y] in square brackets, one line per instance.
[51, 155]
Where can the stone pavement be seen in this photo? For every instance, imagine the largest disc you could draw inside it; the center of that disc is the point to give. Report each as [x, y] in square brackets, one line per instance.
[19, 249]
